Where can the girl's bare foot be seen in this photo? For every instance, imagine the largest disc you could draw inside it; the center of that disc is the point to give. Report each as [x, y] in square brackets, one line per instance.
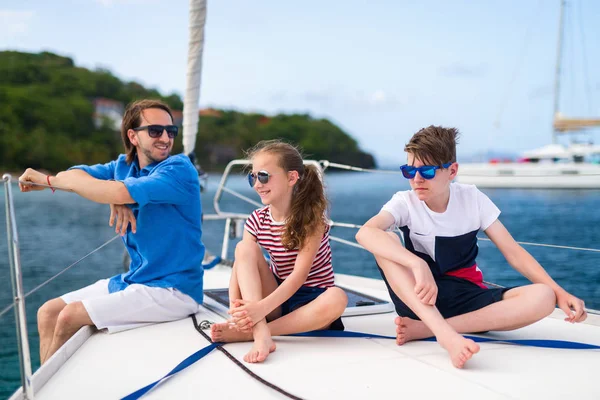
[460, 348]
[224, 333]
[260, 350]
[409, 329]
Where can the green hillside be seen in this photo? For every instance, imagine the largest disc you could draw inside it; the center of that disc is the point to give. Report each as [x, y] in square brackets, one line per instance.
[48, 120]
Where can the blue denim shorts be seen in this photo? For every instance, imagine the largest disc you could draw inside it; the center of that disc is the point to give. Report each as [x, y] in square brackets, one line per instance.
[302, 297]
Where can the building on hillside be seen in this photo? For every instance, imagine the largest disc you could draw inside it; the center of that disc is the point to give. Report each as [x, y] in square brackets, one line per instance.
[108, 111]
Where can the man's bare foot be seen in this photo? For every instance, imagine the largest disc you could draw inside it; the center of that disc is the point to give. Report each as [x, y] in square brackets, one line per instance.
[460, 348]
[408, 329]
[224, 333]
[260, 350]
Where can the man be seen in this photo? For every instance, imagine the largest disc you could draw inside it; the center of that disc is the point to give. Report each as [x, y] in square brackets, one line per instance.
[156, 199]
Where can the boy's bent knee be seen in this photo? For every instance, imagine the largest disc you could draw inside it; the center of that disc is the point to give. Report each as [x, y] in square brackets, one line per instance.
[545, 296]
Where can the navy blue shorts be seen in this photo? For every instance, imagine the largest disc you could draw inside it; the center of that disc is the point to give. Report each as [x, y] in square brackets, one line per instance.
[302, 297]
[455, 296]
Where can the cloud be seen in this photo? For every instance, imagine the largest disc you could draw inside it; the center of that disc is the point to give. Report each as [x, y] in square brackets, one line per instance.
[14, 23]
[331, 98]
[541, 92]
[110, 3]
[376, 99]
[463, 71]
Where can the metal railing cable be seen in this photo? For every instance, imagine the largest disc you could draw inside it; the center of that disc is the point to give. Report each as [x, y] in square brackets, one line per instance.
[555, 246]
[41, 285]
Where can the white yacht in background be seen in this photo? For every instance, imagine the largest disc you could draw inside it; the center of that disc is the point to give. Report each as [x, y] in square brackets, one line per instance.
[550, 167]
[576, 166]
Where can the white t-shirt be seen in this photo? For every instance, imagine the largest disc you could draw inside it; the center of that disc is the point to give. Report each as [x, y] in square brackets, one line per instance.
[448, 240]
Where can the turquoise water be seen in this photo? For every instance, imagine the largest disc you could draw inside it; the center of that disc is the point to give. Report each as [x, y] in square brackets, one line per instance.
[57, 229]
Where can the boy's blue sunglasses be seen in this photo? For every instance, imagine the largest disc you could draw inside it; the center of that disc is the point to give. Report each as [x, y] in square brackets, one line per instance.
[426, 171]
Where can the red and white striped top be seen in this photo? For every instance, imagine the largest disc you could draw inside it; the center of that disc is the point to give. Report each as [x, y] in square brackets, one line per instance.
[268, 234]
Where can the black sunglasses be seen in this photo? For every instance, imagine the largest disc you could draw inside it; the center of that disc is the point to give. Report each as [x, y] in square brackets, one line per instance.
[156, 131]
[262, 176]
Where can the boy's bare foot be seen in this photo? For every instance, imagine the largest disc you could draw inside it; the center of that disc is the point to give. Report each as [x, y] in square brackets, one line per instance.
[408, 329]
[223, 333]
[460, 348]
[260, 350]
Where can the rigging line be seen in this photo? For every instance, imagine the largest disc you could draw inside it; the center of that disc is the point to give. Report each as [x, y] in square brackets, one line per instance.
[327, 164]
[241, 196]
[586, 76]
[41, 285]
[569, 21]
[518, 66]
[556, 246]
[242, 366]
[38, 287]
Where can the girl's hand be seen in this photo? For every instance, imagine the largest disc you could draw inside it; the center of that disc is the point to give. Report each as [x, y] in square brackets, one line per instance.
[245, 314]
[123, 216]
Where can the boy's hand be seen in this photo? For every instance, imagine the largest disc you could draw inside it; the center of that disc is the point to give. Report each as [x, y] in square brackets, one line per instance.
[572, 306]
[425, 288]
[123, 216]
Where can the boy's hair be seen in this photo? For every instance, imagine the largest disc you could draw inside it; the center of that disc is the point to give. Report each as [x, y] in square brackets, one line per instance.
[434, 145]
[133, 118]
[309, 203]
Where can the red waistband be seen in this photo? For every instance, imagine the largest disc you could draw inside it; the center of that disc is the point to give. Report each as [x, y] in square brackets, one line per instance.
[472, 274]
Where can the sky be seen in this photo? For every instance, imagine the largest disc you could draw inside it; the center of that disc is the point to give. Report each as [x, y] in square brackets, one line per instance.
[380, 69]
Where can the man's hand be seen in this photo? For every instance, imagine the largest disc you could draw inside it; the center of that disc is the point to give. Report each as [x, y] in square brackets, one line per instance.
[425, 287]
[246, 314]
[123, 216]
[33, 176]
[573, 307]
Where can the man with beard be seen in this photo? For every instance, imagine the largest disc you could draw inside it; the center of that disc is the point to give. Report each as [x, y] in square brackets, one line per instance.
[155, 201]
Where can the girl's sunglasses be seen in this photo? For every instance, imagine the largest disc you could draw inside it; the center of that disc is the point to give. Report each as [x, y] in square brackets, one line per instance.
[426, 171]
[156, 131]
[262, 176]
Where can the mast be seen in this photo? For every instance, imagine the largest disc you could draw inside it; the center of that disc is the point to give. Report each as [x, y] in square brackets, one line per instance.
[558, 65]
[194, 71]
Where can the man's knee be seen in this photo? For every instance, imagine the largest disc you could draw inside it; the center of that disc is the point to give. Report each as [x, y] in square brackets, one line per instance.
[72, 317]
[50, 310]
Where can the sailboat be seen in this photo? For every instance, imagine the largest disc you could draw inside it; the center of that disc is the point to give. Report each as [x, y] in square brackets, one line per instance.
[177, 359]
[554, 166]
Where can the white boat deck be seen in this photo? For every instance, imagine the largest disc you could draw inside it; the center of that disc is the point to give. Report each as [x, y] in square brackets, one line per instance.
[112, 366]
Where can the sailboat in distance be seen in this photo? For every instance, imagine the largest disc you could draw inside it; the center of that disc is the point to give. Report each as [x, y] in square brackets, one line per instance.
[554, 166]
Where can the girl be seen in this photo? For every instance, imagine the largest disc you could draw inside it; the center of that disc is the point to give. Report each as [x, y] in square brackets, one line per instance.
[294, 292]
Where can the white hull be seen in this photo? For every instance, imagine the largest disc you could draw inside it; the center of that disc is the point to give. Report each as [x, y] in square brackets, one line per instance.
[112, 366]
[531, 176]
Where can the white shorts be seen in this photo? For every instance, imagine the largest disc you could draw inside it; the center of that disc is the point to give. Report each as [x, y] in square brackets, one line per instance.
[135, 306]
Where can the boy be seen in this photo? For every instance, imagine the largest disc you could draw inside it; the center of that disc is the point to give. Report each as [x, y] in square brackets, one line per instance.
[434, 282]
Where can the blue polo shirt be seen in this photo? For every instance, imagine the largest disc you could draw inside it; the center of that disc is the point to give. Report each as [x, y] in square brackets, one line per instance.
[167, 250]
